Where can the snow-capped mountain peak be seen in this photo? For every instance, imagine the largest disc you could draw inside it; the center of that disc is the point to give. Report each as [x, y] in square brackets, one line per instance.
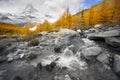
[30, 9]
[29, 14]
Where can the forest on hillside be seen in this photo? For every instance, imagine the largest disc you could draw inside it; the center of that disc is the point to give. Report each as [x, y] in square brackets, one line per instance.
[11, 29]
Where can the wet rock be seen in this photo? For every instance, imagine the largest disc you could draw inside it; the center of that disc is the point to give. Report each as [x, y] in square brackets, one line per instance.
[5, 46]
[113, 41]
[58, 77]
[102, 35]
[3, 59]
[50, 66]
[10, 59]
[11, 48]
[103, 58]
[72, 39]
[31, 56]
[16, 57]
[116, 65]
[88, 43]
[68, 52]
[93, 30]
[57, 48]
[111, 60]
[67, 77]
[90, 52]
[39, 65]
[53, 64]
[19, 71]
[97, 71]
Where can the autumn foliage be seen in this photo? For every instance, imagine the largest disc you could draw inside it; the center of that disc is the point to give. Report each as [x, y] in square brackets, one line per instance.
[11, 29]
[65, 21]
[107, 12]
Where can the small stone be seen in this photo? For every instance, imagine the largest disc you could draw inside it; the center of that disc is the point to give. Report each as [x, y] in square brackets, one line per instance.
[16, 57]
[57, 48]
[51, 66]
[39, 65]
[67, 77]
[31, 56]
[10, 59]
[48, 68]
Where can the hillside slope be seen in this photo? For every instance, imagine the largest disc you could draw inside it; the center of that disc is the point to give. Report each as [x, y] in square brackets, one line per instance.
[11, 29]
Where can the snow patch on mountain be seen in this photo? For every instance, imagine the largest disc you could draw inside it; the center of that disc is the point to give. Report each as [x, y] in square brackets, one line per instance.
[33, 28]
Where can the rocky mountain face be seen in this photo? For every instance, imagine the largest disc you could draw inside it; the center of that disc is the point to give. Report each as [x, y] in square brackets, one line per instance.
[92, 54]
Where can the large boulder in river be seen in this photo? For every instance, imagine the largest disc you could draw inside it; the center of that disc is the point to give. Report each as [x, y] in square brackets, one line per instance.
[19, 71]
[64, 32]
[116, 65]
[102, 35]
[68, 40]
[97, 71]
[91, 52]
[113, 41]
[103, 58]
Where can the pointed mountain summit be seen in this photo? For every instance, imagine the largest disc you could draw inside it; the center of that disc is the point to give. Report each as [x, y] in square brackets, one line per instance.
[29, 9]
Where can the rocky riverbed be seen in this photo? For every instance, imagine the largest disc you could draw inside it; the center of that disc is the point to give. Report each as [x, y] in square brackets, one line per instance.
[92, 54]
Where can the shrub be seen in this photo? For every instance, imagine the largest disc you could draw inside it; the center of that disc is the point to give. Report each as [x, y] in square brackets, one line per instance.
[33, 42]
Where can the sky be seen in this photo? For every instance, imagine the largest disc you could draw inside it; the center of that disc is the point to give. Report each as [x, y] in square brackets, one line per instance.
[47, 7]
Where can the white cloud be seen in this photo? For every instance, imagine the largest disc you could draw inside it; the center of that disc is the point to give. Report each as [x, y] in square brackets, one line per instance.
[57, 7]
